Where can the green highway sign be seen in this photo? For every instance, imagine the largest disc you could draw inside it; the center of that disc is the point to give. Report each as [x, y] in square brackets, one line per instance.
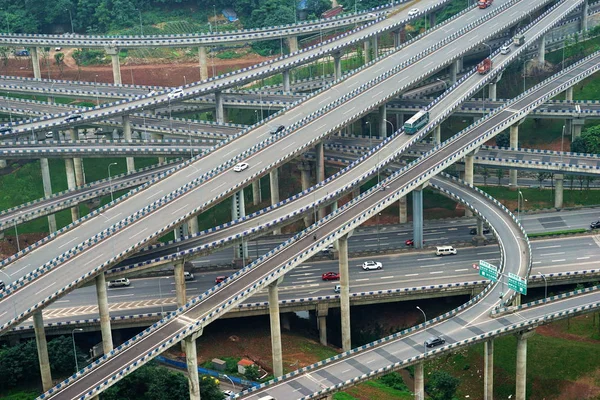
[517, 283]
[488, 270]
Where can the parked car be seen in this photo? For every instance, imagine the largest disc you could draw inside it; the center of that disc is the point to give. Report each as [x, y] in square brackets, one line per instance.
[595, 225]
[220, 279]
[121, 282]
[188, 276]
[241, 166]
[473, 231]
[175, 93]
[73, 117]
[330, 276]
[276, 130]
[434, 341]
[413, 12]
[369, 265]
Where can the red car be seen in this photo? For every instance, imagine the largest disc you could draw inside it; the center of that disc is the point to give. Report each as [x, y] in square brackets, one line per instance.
[410, 242]
[330, 276]
[220, 279]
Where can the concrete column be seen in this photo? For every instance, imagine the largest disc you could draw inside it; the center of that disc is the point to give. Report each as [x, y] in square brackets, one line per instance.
[480, 228]
[584, 16]
[256, 195]
[107, 343]
[77, 162]
[158, 136]
[577, 125]
[35, 61]
[493, 92]
[274, 188]
[47, 183]
[192, 224]
[417, 196]
[542, 50]
[432, 19]
[419, 381]
[181, 231]
[202, 63]
[437, 134]
[286, 80]
[322, 311]
[488, 370]
[569, 94]
[179, 284]
[397, 37]
[42, 350]
[344, 292]
[113, 52]
[275, 329]
[292, 43]
[521, 378]
[382, 122]
[558, 190]
[403, 210]
[238, 210]
[375, 45]
[337, 64]
[304, 168]
[469, 178]
[191, 360]
[367, 50]
[71, 185]
[127, 137]
[220, 114]
[453, 72]
[356, 192]
[514, 143]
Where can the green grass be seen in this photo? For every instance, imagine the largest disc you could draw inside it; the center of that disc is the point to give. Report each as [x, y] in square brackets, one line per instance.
[318, 350]
[565, 232]
[537, 198]
[20, 395]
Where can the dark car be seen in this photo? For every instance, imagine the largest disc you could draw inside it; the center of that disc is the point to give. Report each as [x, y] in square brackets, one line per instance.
[220, 279]
[595, 225]
[434, 341]
[473, 231]
[411, 242]
[275, 131]
[6, 130]
[73, 117]
[330, 276]
[2, 285]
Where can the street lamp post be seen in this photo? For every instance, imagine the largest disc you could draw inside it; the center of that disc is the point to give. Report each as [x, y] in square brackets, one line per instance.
[96, 89]
[230, 380]
[162, 310]
[71, 18]
[141, 27]
[545, 285]
[424, 316]
[74, 348]
[370, 137]
[444, 82]
[562, 140]
[489, 47]
[378, 244]
[110, 181]
[17, 236]
[391, 125]
[520, 201]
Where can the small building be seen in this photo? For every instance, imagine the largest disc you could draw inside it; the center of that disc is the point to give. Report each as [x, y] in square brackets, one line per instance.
[219, 364]
[243, 364]
[230, 15]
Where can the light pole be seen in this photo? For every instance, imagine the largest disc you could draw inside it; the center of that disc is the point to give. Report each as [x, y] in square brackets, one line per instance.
[141, 27]
[162, 310]
[424, 317]
[215, 14]
[96, 89]
[562, 140]
[378, 245]
[391, 125]
[545, 285]
[233, 384]
[525, 73]
[520, 201]
[110, 181]
[489, 47]
[74, 348]
[184, 81]
[370, 137]
[71, 18]
[17, 236]
[444, 82]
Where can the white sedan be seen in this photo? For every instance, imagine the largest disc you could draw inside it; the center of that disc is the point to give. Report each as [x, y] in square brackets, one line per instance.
[413, 12]
[369, 265]
[241, 166]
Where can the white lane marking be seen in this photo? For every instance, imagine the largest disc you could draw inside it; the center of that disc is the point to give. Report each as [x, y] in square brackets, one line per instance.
[386, 277]
[19, 270]
[134, 235]
[179, 209]
[546, 247]
[3, 313]
[46, 287]
[324, 100]
[160, 191]
[436, 272]
[116, 215]
[222, 184]
[72, 240]
[94, 259]
[559, 260]
[346, 370]
[121, 295]
[225, 155]
[489, 252]
[349, 110]
[377, 94]
[461, 270]
[291, 144]
[583, 258]
[362, 279]
[411, 274]
[433, 265]
[536, 262]
[552, 254]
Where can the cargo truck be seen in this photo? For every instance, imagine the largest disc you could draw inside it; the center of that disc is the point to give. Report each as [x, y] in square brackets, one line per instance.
[484, 66]
[518, 40]
[484, 3]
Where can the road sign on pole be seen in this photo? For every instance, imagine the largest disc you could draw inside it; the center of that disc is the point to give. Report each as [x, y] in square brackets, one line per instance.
[517, 283]
[488, 270]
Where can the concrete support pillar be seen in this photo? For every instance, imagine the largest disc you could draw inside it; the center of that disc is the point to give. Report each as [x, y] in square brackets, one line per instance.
[77, 162]
[238, 210]
[191, 360]
[382, 122]
[256, 195]
[127, 137]
[179, 283]
[275, 329]
[521, 378]
[202, 63]
[35, 61]
[107, 342]
[42, 350]
[480, 228]
[219, 111]
[488, 370]
[403, 213]
[493, 92]
[542, 50]
[337, 64]
[453, 72]
[417, 196]
[274, 188]
[584, 16]
[286, 80]
[304, 168]
[344, 292]
[569, 94]
[437, 134]
[192, 224]
[514, 143]
[292, 43]
[113, 52]
[322, 311]
[47, 183]
[181, 231]
[432, 19]
[320, 162]
[375, 46]
[158, 136]
[367, 50]
[71, 184]
[419, 381]
[558, 190]
[469, 177]
[356, 192]
[577, 125]
[397, 37]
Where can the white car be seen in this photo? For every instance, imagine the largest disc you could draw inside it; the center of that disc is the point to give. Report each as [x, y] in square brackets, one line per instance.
[175, 93]
[153, 92]
[505, 50]
[57, 48]
[413, 12]
[119, 283]
[49, 135]
[228, 392]
[241, 166]
[369, 265]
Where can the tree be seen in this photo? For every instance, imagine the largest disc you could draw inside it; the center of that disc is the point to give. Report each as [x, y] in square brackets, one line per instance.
[485, 172]
[442, 386]
[59, 59]
[503, 139]
[252, 373]
[209, 388]
[499, 175]
[541, 177]
[588, 142]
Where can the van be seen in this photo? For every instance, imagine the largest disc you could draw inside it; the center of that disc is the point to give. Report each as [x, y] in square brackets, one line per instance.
[504, 49]
[445, 251]
[119, 283]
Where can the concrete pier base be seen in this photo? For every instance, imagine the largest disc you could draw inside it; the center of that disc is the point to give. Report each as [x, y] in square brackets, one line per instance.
[42, 350]
[47, 183]
[35, 61]
[322, 312]
[127, 137]
[256, 195]
[113, 52]
[337, 65]
[521, 373]
[469, 178]
[191, 359]
[344, 292]
[419, 381]
[558, 190]
[202, 63]
[437, 135]
[417, 197]
[292, 42]
[488, 370]
[286, 80]
[238, 210]
[275, 329]
[71, 184]
[219, 110]
[105, 329]
[403, 212]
